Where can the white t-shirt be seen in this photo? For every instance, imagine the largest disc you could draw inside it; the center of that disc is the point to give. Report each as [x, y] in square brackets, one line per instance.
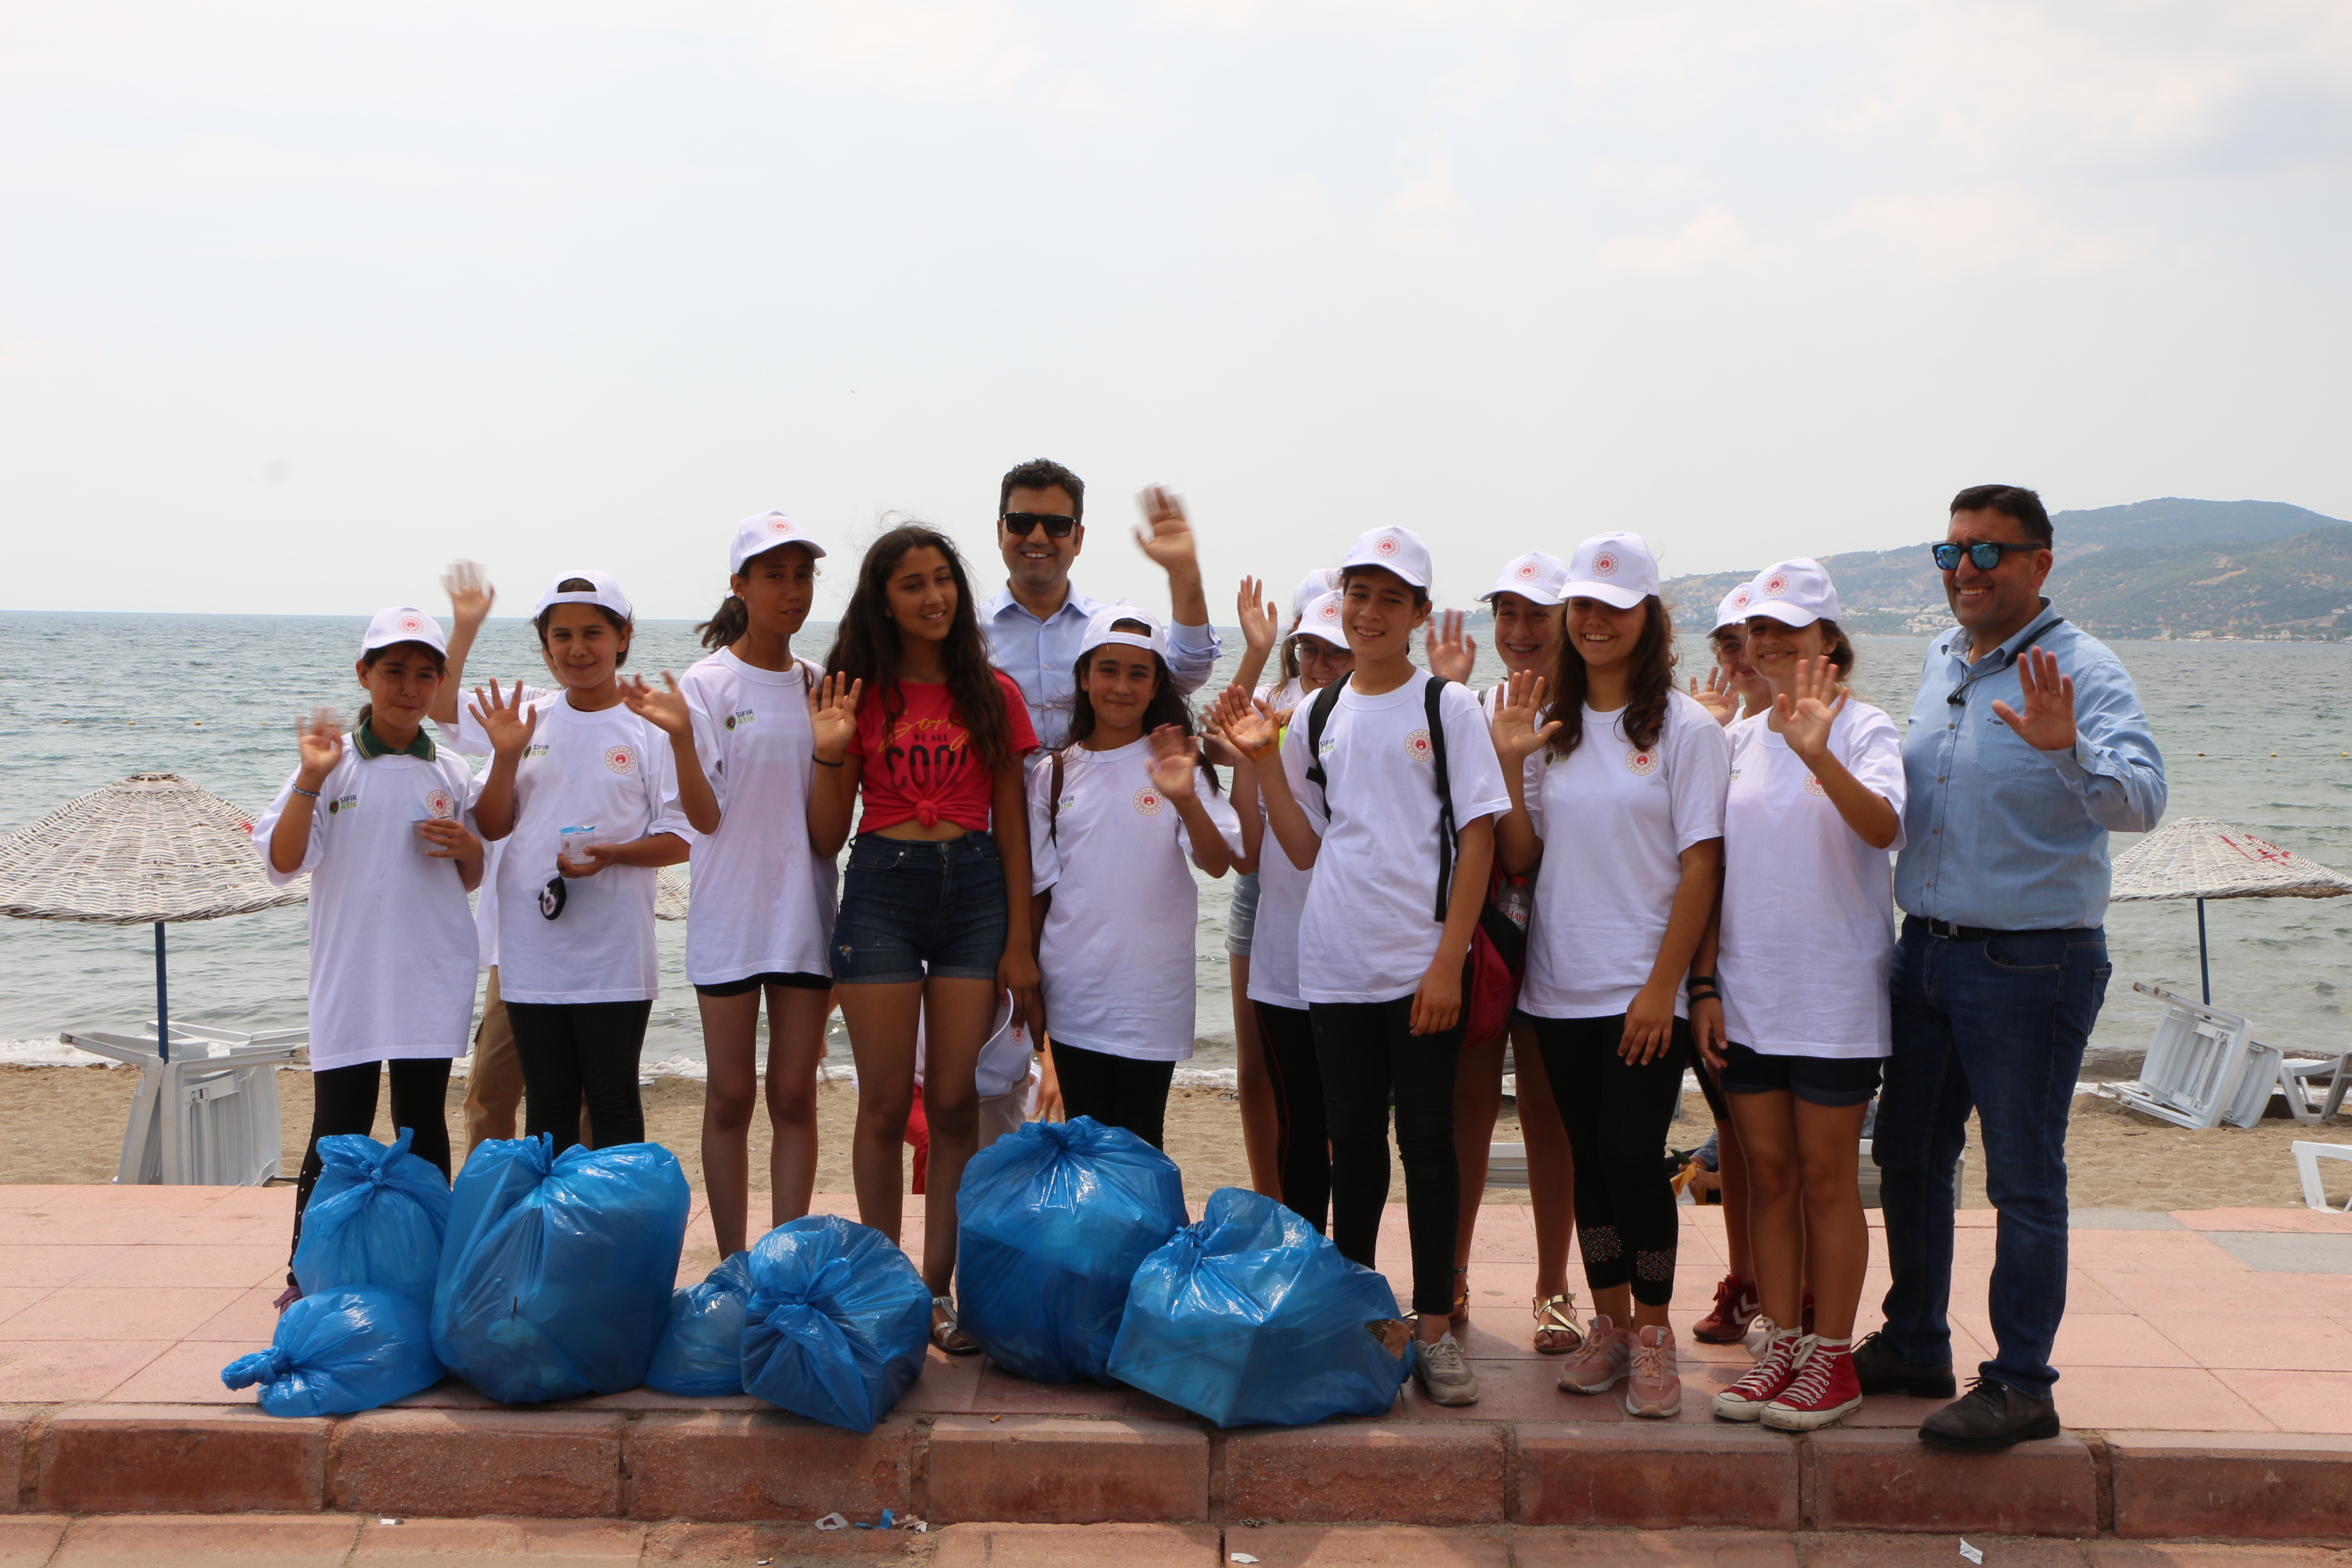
[1281, 893]
[1117, 949]
[1623, 817]
[1369, 928]
[391, 942]
[609, 770]
[1808, 907]
[486, 896]
[762, 897]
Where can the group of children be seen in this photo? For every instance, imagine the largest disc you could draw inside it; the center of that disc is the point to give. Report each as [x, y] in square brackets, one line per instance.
[1586, 870]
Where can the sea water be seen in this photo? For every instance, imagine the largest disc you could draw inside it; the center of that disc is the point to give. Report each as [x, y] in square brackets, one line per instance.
[2253, 733]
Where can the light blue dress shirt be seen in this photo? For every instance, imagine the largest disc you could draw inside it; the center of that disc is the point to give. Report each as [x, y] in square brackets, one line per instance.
[2001, 836]
[1040, 656]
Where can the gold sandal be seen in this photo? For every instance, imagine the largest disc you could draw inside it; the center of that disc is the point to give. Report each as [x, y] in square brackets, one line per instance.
[1556, 1330]
[945, 1331]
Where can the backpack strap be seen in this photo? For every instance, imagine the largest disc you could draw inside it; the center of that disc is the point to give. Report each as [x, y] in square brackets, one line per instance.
[1448, 835]
[1319, 716]
[1054, 800]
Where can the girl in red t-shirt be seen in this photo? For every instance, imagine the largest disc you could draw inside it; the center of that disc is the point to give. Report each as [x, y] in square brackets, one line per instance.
[935, 915]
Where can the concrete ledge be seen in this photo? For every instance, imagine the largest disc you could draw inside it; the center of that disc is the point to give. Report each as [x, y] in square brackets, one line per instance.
[1655, 1549]
[2248, 1485]
[17, 1429]
[1368, 1546]
[1385, 1472]
[1058, 1470]
[1889, 1480]
[462, 1464]
[725, 1465]
[180, 1458]
[978, 1545]
[1644, 1476]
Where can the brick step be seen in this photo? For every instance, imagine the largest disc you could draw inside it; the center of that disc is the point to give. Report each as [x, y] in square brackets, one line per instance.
[741, 1465]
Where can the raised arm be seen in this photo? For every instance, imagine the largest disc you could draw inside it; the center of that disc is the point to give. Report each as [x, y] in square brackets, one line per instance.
[1166, 536]
[667, 711]
[1249, 731]
[833, 793]
[1260, 623]
[1806, 715]
[1517, 737]
[471, 596]
[508, 726]
[1175, 770]
[2099, 741]
[322, 743]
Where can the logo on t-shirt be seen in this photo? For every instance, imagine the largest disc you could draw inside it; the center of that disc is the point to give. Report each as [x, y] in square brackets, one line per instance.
[342, 803]
[438, 806]
[1813, 786]
[1775, 584]
[1149, 801]
[536, 749]
[1416, 745]
[622, 759]
[1604, 563]
[1642, 761]
[743, 717]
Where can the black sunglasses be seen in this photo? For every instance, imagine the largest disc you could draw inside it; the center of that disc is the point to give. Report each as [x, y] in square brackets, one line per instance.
[1019, 523]
[1986, 553]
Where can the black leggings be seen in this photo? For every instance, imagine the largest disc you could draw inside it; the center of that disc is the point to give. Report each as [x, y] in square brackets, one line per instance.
[573, 1051]
[1287, 1040]
[1370, 1057]
[342, 1100]
[1617, 1115]
[1118, 1091]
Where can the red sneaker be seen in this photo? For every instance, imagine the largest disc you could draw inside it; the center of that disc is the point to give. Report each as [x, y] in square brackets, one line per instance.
[1825, 1388]
[1762, 1384]
[1734, 1310]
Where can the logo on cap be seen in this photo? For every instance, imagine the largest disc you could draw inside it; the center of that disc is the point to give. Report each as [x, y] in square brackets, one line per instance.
[622, 759]
[1776, 585]
[1604, 563]
[410, 624]
[438, 803]
[1147, 802]
[1416, 745]
[1739, 597]
[1525, 571]
[1813, 786]
[1327, 613]
[780, 525]
[1641, 764]
[1386, 544]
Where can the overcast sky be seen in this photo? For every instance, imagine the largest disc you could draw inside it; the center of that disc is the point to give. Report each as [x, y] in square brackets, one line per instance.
[299, 301]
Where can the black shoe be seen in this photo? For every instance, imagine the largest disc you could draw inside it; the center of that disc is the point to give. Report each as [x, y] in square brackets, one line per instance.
[1883, 1369]
[1990, 1415]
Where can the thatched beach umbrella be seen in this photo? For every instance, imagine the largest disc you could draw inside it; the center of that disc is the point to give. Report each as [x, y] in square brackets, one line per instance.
[672, 893]
[145, 850]
[2201, 857]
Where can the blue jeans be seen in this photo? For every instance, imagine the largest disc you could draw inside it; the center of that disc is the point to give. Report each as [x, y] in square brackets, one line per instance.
[909, 907]
[1999, 1027]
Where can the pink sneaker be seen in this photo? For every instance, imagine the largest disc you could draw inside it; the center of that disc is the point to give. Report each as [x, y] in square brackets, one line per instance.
[1652, 1389]
[1734, 1310]
[1825, 1388]
[1595, 1366]
[1783, 1350]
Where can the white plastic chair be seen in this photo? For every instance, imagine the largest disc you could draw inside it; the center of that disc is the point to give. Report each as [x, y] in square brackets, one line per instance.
[2192, 1075]
[2312, 1088]
[209, 1115]
[2306, 1165]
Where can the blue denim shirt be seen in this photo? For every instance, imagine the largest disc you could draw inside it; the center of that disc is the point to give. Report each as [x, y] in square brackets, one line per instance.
[1040, 655]
[1998, 834]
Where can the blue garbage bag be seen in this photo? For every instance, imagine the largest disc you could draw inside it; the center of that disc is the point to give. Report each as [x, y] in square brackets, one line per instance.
[701, 1351]
[342, 1351]
[837, 1322]
[557, 1270]
[377, 1217]
[1053, 1222]
[1251, 1317]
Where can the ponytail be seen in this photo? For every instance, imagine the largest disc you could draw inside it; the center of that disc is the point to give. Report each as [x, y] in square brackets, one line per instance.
[727, 623]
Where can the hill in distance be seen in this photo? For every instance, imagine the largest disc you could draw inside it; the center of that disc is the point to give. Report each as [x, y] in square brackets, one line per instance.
[2153, 569]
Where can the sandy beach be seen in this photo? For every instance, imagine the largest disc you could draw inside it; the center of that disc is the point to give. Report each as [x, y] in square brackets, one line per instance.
[65, 1124]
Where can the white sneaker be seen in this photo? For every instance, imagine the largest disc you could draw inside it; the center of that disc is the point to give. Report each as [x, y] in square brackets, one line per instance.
[1446, 1376]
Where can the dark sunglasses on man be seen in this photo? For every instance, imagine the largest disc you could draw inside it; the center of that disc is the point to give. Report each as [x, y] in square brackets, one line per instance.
[1986, 553]
[1019, 523]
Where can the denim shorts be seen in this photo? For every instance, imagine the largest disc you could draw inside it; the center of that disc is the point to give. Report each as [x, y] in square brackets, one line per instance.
[1243, 918]
[907, 906]
[1816, 1080]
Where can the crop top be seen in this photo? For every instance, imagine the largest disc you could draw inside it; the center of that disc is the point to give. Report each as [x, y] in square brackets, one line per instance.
[922, 770]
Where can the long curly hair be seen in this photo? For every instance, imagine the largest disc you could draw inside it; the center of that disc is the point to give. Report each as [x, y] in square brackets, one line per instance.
[1651, 683]
[865, 646]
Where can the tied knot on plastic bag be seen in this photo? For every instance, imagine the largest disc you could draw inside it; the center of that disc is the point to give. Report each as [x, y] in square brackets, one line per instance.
[261, 1366]
[817, 1291]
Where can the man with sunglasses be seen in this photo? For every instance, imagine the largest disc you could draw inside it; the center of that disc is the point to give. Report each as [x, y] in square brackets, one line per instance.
[2026, 747]
[1036, 625]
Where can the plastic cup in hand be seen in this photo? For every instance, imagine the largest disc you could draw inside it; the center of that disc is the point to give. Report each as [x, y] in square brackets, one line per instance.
[573, 843]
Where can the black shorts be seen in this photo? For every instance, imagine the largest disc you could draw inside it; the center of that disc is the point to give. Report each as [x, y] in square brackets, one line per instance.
[789, 981]
[1817, 1080]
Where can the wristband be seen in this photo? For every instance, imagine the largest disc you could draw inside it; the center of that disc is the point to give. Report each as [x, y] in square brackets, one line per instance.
[820, 762]
[1705, 980]
[305, 794]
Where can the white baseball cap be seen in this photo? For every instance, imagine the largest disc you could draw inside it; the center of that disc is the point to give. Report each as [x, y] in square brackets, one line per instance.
[605, 593]
[1733, 611]
[1397, 550]
[1794, 593]
[1614, 568]
[402, 623]
[1100, 630]
[762, 531]
[1314, 586]
[1534, 576]
[1322, 618]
